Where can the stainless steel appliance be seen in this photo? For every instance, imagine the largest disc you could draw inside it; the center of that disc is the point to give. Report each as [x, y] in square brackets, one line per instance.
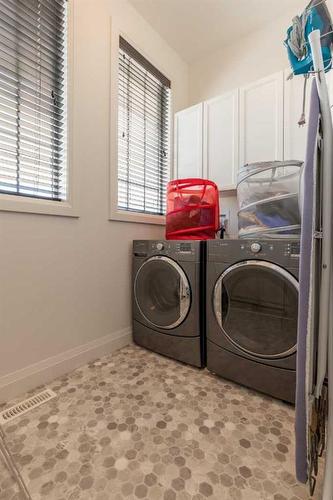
[252, 310]
[168, 288]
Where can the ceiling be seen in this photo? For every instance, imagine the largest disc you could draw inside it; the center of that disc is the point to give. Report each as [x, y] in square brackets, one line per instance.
[195, 27]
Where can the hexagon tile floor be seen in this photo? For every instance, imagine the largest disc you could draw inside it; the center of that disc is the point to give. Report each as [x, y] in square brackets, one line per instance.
[8, 487]
[136, 425]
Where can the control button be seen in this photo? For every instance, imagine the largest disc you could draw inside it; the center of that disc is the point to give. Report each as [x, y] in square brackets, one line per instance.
[159, 246]
[242, 247]
[255, 247]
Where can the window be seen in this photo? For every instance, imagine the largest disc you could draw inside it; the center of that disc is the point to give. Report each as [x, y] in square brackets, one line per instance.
[33, 41]
[143, 133]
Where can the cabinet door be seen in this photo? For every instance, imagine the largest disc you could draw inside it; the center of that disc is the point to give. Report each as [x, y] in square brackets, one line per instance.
[294, 135]
[221, 140]
[188, 142]
[261, 120]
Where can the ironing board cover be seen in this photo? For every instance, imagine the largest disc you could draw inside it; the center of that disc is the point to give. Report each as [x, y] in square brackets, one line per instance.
[306, 299]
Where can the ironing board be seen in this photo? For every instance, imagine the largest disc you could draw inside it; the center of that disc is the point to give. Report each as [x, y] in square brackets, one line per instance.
[315, 337]
[305, 338]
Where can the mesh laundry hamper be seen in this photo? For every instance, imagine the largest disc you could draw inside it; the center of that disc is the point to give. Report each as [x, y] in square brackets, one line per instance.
[192, 209]
[268, 199]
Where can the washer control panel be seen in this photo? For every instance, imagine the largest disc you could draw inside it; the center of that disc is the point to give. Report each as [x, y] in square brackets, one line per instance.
[178, 250]
[166, 247]
[184, 247]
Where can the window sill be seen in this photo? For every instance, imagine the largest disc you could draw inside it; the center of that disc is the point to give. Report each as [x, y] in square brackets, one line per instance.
[123, 216]
[20, 204]
[232, 189]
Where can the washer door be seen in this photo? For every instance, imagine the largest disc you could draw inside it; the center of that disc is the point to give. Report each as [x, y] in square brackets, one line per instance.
[256, 306]
[162, 292]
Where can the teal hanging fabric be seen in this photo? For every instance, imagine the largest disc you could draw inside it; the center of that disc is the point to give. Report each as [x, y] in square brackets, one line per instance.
[315, 16]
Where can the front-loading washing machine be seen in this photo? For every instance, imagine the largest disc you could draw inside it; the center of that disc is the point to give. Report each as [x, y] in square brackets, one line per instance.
[168, 298]
[252, 311]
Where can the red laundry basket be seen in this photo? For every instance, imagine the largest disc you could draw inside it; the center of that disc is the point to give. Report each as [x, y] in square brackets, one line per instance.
[192, 210]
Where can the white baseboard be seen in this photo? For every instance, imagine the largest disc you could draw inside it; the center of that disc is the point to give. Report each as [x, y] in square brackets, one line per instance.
[21, 381]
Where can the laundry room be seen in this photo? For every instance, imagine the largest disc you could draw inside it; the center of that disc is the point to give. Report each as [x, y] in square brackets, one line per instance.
[166, 297]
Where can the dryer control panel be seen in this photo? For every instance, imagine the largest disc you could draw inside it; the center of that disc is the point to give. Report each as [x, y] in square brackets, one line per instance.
[290, 249]
[285, 252]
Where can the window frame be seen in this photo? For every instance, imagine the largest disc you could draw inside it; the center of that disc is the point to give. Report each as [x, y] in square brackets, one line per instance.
[67, 208]
[114, 212]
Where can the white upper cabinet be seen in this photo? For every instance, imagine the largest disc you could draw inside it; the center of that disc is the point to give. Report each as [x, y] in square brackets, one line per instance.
[220, 157]
[258, 122]
[188, 142]
[261, 120]
[294, 135]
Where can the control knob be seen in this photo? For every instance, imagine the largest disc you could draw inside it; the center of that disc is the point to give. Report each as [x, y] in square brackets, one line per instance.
[255, 247]
[159, 246]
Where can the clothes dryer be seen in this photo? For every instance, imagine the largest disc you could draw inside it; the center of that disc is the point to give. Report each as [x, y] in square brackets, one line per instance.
[252, 311]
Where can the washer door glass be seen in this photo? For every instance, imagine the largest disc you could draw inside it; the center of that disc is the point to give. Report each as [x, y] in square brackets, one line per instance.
[162, 292]
[256, 306]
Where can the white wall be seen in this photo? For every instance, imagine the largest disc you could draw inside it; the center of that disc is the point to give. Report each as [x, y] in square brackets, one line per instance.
[65, 282]
[242, 62]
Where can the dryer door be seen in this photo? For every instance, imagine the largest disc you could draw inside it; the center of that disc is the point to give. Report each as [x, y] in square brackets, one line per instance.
[162, 292]
[256, 306]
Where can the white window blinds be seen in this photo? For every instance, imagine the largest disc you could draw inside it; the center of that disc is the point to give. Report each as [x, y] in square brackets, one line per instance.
[143, 133]
[33, 98]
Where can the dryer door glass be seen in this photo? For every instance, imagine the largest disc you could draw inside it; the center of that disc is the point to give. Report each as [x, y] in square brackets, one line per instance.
[256, 306]
[162, 292]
